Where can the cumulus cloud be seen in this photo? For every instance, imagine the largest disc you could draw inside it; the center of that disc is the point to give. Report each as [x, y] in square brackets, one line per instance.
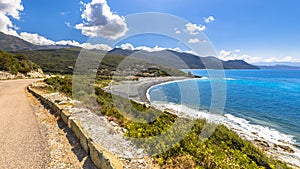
[128, 46]
[209, 19]
[284, 59]
[100, 21]
[229, 55]
[194, 29]
[40, 40]
[194, 40]
[9, 9]
[36, 39]
[103, 47]
[177, 31]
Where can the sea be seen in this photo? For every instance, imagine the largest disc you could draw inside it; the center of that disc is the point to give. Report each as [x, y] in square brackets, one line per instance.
[264, 102]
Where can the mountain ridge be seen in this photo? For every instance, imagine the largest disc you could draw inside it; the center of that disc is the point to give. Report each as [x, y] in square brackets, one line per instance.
[280, 67]
[178, 60]
[13, 43]
[181, 60]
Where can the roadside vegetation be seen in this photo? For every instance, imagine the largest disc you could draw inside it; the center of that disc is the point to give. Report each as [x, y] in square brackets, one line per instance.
[223, 149]
[16, 63]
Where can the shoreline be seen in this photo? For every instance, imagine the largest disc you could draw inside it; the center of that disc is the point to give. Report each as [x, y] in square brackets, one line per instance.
[137, 90]
[278, 149]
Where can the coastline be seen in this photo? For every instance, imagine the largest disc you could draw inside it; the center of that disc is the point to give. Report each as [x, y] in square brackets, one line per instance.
[137, 90]
[281, 150]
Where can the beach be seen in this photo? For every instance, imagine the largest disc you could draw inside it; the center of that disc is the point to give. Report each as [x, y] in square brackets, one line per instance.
[272, 142]
[137, 90]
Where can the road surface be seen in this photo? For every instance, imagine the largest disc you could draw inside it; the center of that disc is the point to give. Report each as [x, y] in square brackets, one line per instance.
[21, 143]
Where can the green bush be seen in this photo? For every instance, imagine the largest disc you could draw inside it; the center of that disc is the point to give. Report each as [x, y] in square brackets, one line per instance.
[16, 63]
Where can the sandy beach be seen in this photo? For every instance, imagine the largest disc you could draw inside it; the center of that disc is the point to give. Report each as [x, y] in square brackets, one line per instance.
[137, 90]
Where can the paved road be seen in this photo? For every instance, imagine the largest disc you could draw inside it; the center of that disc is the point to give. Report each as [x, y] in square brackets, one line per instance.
[21, 142]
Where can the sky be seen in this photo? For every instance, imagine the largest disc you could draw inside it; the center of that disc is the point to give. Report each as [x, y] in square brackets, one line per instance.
[253, 30]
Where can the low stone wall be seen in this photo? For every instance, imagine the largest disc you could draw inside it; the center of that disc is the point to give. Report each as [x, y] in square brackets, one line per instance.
[101, 158]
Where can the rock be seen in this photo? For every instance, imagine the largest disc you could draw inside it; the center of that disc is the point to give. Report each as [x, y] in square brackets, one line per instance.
[262, 143]
[5, 75]
[35, 74]
[285, 148]
[140, 151]
[114, 124]
[128, 154]
[255, 133]
[62, 103]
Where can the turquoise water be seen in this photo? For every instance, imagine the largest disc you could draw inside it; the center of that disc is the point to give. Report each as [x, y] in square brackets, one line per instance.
[268, 98]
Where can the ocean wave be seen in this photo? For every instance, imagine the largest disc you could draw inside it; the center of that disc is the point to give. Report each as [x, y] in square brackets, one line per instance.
[208, 78]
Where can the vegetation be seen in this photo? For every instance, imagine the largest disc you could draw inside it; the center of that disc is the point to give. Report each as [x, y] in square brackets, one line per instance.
[63, 85]
[62, 61]
[223, 149]
[16, 63]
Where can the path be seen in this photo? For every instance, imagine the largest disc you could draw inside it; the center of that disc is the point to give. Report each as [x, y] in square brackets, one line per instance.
[21, 142]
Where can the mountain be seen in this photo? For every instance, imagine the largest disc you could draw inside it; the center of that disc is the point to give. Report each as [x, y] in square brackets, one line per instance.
[180, 60]
[63, 60]
[168, 58]
[279, 67]
[13, 43]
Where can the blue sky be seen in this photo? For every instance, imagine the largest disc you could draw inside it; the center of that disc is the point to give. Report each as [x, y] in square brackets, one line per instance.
[256, 30]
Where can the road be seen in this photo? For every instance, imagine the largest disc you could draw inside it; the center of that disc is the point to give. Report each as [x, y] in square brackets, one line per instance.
[21, 143]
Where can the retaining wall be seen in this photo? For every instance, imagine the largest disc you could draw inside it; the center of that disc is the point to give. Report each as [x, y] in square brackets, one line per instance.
[101, 158]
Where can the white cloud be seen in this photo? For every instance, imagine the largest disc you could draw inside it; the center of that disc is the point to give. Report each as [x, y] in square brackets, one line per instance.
[284, 59]
[9, 9]
[36, 39]
[229, 55]
[68, 24]
[194, 40]
[40, 40]
[128, 46]
[100, 21]
[177, 31]
[103, 47]
[194, 29]
[209, 19]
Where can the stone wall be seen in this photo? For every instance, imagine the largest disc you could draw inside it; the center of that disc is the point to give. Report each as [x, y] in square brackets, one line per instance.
[100, 157]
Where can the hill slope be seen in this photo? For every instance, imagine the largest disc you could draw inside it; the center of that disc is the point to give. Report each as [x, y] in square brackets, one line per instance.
[11, 43]
[63, 60]
[184, 60]
[16, 63]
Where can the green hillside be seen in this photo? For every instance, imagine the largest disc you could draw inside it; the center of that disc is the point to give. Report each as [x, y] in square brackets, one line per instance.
[63, 61]
[16, 63]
